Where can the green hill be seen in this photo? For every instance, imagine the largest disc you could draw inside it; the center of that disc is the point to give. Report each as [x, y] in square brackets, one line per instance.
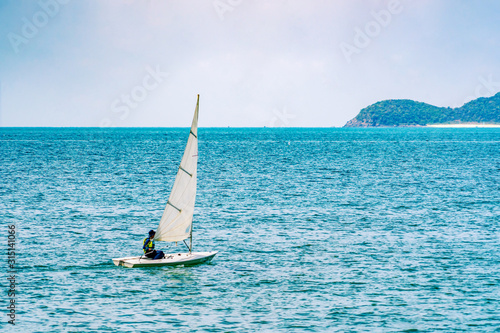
[404, 112]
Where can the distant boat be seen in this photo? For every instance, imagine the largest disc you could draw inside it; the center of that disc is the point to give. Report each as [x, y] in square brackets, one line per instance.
[176, 224]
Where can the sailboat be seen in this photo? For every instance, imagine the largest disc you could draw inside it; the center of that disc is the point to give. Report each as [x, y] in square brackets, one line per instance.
[176, 223]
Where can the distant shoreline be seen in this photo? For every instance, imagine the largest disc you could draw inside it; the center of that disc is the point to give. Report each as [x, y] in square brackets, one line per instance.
[469, 125]
[480, 112]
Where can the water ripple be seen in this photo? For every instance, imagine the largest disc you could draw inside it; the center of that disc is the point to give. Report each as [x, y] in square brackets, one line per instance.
[319, 230]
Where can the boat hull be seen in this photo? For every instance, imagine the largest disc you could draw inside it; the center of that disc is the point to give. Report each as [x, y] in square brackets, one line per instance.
[171, 259]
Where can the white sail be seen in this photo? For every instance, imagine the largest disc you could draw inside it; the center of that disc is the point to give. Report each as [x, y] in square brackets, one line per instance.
[176, 222]
[177, 219]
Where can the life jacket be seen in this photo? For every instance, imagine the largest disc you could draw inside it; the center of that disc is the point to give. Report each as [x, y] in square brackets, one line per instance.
[148, 244]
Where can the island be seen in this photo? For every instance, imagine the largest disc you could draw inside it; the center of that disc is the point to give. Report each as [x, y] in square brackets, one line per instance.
[484, 112]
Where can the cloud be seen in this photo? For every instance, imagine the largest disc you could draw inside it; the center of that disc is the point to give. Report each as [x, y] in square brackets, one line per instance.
[262, 56]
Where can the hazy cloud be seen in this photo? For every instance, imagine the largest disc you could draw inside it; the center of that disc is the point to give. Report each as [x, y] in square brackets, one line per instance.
[259, 57]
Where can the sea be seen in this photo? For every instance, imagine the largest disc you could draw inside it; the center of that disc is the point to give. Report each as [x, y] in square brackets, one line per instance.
[318, 230]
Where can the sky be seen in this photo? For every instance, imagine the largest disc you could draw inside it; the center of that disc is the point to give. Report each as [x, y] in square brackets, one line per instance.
[255, 63]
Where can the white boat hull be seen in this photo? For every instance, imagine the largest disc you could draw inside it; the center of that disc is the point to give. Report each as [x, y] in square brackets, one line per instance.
[171, 259]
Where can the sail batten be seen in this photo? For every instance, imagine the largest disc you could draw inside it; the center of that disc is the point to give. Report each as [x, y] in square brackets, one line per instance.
[190, 175]
[176, 221]
[171, 204]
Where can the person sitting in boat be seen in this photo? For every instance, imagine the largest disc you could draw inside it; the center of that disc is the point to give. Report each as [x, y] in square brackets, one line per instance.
[149, 247]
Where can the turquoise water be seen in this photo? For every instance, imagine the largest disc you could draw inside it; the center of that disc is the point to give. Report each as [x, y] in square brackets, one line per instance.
[319, 230]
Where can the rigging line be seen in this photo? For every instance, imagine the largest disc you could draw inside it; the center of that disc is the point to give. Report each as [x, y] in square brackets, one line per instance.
[191, 132]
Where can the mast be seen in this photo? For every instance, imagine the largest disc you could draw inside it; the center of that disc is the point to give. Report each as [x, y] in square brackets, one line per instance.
[191, 240]
[191, 231]
[176, 222]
